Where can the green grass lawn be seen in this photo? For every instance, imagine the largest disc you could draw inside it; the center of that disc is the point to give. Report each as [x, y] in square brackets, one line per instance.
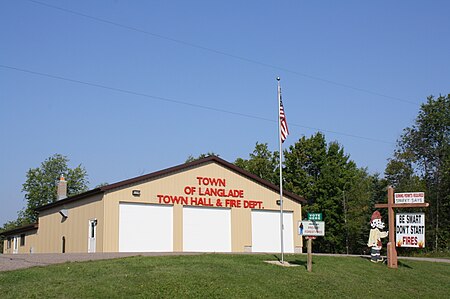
[225, 276]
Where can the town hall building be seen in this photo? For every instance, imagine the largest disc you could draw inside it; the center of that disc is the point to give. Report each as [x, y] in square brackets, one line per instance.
[208, 205]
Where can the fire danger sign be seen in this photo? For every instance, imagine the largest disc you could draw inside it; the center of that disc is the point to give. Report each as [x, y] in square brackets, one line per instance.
[410, 230]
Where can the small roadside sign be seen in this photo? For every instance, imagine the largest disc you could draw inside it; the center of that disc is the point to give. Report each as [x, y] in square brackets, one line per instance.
[311, 228]
[315, 216]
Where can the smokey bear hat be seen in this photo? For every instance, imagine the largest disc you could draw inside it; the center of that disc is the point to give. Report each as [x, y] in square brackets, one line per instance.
[375, 215]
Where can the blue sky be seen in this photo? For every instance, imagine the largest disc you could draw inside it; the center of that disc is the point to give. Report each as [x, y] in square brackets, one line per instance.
[144, 84]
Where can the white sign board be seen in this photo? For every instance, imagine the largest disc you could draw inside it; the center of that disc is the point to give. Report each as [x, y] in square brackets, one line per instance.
[410, 230]
[311, 228]
[409, 197]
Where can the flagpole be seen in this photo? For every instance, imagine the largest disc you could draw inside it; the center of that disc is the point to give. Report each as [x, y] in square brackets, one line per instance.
[281, 172]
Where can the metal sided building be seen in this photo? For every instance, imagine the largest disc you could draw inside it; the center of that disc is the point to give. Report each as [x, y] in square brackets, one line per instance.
[208, 205]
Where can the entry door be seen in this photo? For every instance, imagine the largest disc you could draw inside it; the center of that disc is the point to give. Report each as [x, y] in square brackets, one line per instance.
[16, 244]
[92, 235]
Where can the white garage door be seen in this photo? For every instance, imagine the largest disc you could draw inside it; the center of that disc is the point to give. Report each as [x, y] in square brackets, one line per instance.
[206, 229]
[266, 231]
[145, 228]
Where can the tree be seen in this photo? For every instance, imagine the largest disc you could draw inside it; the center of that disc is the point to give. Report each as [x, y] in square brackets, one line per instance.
[201, 156]
[400, 173]
[363, 192]
[40, 185]
[422, 160]
[334, 186]
[102, 185]
[262, 163]
[331, 183]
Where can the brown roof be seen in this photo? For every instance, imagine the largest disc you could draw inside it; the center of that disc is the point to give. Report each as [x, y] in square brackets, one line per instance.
[70, 199]
[20, 229]
[170, 170]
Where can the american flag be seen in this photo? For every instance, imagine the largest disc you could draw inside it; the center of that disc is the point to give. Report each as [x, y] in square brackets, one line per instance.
[284, 131]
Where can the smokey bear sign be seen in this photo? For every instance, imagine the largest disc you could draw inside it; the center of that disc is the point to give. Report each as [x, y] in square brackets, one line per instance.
[408, 228]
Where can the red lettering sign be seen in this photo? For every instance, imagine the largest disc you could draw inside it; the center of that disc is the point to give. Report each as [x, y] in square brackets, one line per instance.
[206, 194]
[211, 181]
[410, 241]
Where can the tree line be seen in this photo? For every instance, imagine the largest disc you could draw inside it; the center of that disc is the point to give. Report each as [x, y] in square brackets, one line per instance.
[345, 194]
[326, 176]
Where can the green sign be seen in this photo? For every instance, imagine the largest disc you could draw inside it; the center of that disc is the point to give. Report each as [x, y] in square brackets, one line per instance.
[315, 216]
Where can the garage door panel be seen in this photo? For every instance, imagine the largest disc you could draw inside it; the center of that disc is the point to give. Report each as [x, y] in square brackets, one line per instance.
[145, 228]
[266, 231]
[206, 229]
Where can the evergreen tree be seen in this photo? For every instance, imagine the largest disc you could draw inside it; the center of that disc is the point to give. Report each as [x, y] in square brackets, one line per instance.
[334, 186]
[262, 162]
[201, 156]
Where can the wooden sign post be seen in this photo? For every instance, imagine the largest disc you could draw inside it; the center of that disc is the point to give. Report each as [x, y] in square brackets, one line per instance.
[391, 250]
[309, 256]
[310, 230]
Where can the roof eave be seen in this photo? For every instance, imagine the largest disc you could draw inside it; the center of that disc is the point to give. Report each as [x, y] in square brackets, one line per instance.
[170, 170]
[70, 199]
[21, 229]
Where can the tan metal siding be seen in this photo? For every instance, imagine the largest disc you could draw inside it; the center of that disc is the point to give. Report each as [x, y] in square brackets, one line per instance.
[178, 228]
[30, 241]
[5, 247]
[75, 228]
[241, 229]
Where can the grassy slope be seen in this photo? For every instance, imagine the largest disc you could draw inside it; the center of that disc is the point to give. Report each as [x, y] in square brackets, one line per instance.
[225, 276]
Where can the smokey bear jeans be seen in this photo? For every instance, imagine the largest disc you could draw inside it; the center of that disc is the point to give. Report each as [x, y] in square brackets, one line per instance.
[375, 255]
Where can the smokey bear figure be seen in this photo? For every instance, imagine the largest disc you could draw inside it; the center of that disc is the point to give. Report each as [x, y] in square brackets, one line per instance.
[375, 237]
